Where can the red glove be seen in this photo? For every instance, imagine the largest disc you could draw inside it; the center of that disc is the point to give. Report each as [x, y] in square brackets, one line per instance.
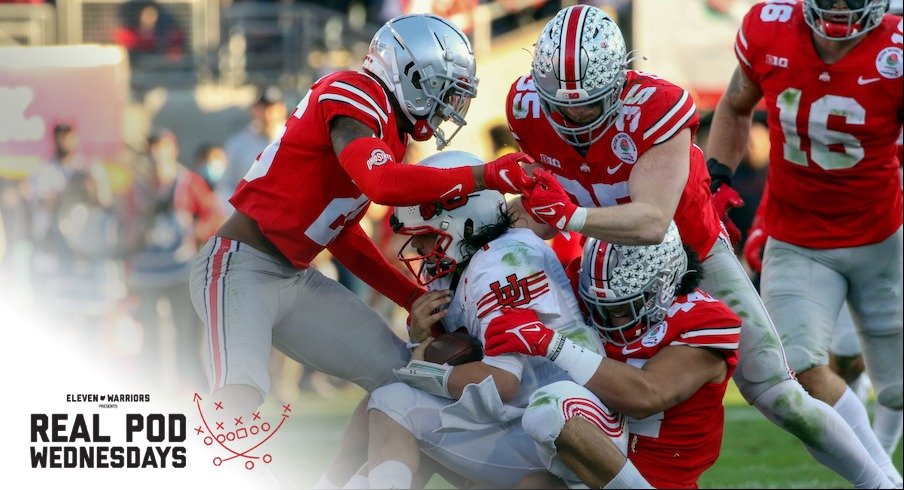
[726, 198]
[547, 202]
[518, 331]
[753, 247]
[506, 175]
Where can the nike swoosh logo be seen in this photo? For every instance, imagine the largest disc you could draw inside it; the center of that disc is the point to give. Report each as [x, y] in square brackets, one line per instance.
[865, 81]
[625, 350]
[457, 188]
[546, 212]
[612, 170]
[503, 174]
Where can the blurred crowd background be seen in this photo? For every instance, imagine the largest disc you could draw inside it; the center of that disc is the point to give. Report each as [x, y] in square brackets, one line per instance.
[126, 124]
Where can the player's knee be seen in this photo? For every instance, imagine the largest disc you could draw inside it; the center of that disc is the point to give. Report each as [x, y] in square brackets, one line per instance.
[392, 398]
[543, 419]
[891, 396]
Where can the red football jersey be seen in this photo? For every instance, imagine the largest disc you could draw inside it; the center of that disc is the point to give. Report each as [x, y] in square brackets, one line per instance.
[296, 191]
[654, 111]
[673, 448]
[833, 173]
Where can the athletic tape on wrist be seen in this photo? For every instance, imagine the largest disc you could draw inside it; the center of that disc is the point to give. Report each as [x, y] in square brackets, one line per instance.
[578, 362]
[428, 376]
[577, 221]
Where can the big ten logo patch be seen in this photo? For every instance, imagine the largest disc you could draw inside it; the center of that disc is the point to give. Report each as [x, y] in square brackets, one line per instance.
[240, 437]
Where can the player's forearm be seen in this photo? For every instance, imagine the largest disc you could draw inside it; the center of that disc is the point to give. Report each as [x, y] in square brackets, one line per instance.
[627, 389]
[635, 223]
[355, 250]
[475, 372]
[729, 135]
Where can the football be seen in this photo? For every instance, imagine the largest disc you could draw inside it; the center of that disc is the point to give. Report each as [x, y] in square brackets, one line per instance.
[454, 348]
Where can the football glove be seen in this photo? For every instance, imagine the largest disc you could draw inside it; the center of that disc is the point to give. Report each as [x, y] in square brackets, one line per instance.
[518, 331]
[547, 202]
[753, 247]
[724, 197]
[506, 175]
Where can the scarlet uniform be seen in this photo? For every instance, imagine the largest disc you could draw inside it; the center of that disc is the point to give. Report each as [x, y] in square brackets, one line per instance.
[654, 111]
[833, 173]
[672, 448]
[302, 224]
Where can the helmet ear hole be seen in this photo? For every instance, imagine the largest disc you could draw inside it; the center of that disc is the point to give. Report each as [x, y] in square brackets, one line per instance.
[416, 80]
[469, 228]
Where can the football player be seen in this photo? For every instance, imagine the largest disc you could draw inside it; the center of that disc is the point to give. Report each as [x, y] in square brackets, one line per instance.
[482, 273]
[830, 72]
[845, 355]
[340, 149]
[617, 163]
[670, 350]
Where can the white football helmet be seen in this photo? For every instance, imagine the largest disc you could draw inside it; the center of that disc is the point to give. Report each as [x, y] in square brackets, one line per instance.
[838, 20]
[580, 60]
[429, 65]
[640, 283]
[451, 221]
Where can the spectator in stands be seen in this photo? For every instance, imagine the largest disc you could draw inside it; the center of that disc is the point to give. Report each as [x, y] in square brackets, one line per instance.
[73, 231]
[210, 163]
[147, 28]
[180, 213]
[268, 115]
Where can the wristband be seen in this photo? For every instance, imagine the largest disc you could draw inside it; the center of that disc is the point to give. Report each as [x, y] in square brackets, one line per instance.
[718, 172]
[581, 364]
[577, 221]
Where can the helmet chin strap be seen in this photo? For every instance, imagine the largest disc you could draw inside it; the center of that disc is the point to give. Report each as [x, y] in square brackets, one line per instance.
[421, 130]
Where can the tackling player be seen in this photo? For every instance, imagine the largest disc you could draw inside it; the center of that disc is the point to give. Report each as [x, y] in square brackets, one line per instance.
[467, 417]
[617, 163]
[340, 149]
[670, 350]
[830, 72]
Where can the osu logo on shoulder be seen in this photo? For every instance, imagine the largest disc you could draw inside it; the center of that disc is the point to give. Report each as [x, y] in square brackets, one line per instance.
[378, 157]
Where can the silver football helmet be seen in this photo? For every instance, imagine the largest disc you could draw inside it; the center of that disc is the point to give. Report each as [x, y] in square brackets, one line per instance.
[838, 20]
[451, 221]
[580, 60]
[428, 64]
[628, 289]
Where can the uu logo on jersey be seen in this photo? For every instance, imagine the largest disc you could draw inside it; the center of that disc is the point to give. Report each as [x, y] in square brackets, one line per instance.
[890, 62]
[624, 148]
[378, 157]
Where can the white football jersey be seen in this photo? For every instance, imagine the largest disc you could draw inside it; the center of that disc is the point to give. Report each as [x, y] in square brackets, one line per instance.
[518, 270]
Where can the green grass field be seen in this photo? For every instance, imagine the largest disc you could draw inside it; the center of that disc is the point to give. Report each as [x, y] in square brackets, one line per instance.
[755, 453]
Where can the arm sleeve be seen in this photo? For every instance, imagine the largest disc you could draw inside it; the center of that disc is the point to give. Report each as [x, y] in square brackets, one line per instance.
[369, 162]
[358, 253]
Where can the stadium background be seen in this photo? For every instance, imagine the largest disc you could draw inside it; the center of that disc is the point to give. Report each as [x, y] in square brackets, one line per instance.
[60, 63]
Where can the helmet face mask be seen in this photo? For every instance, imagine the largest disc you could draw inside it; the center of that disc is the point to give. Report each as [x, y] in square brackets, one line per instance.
[628, 289]
[429, 66]
[436, 230]
[839, 20]
[580, 61]
[427, 266]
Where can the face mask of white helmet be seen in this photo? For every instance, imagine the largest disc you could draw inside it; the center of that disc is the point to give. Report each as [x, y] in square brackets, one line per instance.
[450, 223]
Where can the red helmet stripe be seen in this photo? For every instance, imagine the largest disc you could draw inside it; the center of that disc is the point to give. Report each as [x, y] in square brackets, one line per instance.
[570, 57]
[600, 264]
